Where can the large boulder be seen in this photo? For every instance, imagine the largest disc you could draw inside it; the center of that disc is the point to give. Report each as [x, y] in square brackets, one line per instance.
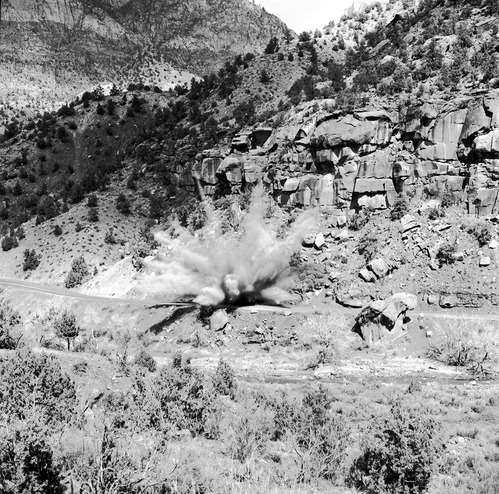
[372, 128]
[383, 320]
[219, 320]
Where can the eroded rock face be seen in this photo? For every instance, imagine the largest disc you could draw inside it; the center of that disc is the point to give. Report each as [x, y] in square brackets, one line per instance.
[343, 161]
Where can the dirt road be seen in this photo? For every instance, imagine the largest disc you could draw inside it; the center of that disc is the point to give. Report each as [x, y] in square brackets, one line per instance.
[332, 308]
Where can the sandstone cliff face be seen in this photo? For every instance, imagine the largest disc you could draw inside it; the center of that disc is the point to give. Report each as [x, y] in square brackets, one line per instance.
[51, 50]
[345, 161]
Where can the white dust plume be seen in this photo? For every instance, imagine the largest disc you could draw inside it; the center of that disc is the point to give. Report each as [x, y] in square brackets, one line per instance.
[244, 267]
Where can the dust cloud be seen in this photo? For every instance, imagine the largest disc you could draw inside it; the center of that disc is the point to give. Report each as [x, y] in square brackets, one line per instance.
[249, 266]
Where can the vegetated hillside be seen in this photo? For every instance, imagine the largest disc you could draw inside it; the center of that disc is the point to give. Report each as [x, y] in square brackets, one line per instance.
[317, 134]
[52, 50]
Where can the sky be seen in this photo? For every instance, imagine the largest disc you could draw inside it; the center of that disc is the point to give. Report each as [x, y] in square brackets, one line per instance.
[306, 15]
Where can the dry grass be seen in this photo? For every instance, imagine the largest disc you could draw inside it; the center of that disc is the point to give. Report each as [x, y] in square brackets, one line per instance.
[466, 343]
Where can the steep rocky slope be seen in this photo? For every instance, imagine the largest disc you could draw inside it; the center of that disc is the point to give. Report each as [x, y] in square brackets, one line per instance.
[405, 175]
[53, 49]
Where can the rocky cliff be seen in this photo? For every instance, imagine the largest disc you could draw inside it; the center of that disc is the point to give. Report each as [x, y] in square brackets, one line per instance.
[51, 50]
[348, 160]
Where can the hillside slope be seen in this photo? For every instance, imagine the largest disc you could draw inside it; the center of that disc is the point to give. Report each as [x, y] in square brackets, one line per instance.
[404, 173]
[51, 50]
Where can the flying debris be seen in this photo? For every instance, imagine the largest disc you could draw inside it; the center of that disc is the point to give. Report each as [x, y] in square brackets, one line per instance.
[240, 268]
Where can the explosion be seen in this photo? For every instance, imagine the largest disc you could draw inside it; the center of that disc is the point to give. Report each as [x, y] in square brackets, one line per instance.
[245, 267]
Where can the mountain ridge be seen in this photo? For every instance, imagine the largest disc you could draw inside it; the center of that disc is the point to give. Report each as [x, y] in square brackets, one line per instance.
[55, 49]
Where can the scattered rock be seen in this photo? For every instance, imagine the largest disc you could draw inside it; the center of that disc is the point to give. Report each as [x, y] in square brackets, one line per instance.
[319, 241]
[334, 276]
[432, 299]
[485, 261]
[367, 275]
[441, 228]
[379, 267]
[218, 320]
[434, 264]
[308, 240]
[408, 223]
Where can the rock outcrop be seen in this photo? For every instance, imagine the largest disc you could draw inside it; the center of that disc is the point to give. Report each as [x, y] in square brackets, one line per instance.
[342, 161]
[383, 320]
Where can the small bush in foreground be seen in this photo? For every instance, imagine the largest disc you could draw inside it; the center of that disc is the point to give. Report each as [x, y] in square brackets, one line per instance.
[399, 454]
[321, 437]
[34, 385]
[27, 462]
[180, 392]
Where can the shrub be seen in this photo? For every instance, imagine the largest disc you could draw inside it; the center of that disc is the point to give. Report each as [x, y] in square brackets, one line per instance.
[264, 77]
[466, 344]
[100, 109]
[31, 260]
[359, 220]
[92, 201]
[35, 384]
[145, 359]
[9, 320]
[400, 208]
[109, 237]
[66, 327]
[435, 213]
[7, 243]
[57, 231]
[272, 47]
[481, 232]
[28, 465]
[18, 189]
[445, 253]
[224, 380]
[123, 204]
[180, 392]
[93, 215]
[249, 430]
[368, 245]
[321, 437]
[399, 454]
[79, 270]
